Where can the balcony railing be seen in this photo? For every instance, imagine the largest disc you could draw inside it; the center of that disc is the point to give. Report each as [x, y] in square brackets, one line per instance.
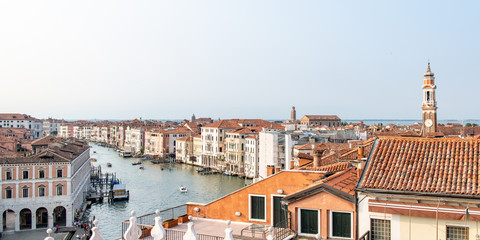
[149, 219]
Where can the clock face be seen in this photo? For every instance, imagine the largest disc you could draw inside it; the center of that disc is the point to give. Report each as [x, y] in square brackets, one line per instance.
[428, 123]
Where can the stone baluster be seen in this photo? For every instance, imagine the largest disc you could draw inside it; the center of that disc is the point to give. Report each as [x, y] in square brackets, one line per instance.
[228, 231]
[190, 234]
[158, 232]
[133, 232]
[49, 232]
[270, 236]
[96, 232]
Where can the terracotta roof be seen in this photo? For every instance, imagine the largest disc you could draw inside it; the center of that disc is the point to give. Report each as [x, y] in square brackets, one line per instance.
[341, 184]
[59, 152]
[335, 167]
[45, 140]
[424, 165]
[186, 138]
[322, 117]
[15, 116]
[247, 130]
[236, 123]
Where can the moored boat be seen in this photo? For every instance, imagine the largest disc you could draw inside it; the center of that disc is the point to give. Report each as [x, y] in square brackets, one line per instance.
[183, 189]
[109, 164]
[120, 192]
[93, 159]
[126, 154]
[137, 163]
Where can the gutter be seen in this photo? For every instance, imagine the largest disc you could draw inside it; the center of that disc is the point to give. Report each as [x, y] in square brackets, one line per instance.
[410, 193]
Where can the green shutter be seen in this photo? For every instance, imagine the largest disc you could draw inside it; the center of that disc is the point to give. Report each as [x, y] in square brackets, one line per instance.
[341, 224]
[257, 207]
[309, 221]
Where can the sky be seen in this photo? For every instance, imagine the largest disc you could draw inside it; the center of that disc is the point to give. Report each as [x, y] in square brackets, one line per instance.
[237, 59]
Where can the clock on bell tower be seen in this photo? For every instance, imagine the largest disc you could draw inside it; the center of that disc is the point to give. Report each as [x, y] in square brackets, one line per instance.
[429, 108]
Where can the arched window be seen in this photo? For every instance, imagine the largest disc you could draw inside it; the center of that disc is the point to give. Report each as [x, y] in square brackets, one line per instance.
[8, 174]
[8, 192]
[41, 190]
[59, 189]
[41, 172]
[428, 96]
[25, 191]
[59, 172]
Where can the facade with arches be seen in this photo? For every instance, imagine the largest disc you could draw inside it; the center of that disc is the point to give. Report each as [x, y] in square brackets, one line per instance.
[45, 188]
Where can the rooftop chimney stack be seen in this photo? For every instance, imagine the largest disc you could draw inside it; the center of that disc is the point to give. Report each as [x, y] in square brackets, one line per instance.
[317, 157]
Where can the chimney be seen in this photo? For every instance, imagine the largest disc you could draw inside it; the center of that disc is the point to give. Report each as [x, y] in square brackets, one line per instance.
[317, 156]
[361, 152]
[270, 170]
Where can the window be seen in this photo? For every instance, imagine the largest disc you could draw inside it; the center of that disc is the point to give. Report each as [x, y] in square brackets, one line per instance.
[41, 191]
[59, 189]
[25, 174]
[8, 192]
[341, 224]
[8, 174]
[454, 233]
[25, 192]
[41, 173]
[257, 207]
[59, 173]
[380, 229]
[308, 221]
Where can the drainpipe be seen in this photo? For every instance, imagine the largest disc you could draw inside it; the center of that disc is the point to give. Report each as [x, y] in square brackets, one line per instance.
[355, 197]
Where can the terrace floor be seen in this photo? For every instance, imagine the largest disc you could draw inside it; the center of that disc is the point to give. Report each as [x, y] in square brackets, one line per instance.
[212, 227]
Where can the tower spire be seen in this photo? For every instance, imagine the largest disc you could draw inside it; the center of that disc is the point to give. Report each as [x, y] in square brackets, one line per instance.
[428, 68]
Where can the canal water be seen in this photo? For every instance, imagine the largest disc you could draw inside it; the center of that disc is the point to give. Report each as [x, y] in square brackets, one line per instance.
[153, 188]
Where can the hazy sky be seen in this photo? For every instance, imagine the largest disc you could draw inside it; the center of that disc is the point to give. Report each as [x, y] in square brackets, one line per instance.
[245, 59]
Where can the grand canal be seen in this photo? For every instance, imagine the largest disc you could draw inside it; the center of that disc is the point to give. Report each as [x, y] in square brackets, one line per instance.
[154, 188]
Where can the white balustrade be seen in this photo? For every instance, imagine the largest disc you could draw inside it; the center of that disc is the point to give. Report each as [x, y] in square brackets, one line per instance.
[158, 232]
[96, 232]
[270, 236]
[190, 234]
[49, 232]
[133, 231]
[228, 231]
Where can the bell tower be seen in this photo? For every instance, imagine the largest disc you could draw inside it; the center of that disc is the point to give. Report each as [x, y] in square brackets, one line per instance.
[429, 105]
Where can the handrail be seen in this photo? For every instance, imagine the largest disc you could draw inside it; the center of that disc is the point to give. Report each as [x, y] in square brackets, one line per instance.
[365, 236]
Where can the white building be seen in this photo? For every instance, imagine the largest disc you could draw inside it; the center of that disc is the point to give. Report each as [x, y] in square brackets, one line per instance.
[44, 189]
[15, 120]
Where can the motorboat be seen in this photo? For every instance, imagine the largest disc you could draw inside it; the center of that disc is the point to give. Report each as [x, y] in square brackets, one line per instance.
[141, 168]
[183, 189]
[137, 163]
[126, 154]
[120, 192]
[155, 162]
[93, 159]
[109, 164]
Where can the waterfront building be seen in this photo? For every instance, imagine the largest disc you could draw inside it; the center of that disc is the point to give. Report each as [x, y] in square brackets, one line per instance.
[134, 139]
[197, 150]
[171, 135]
[52, 126]
[235, 148]
[15, 120]
[213, 138]
[319, 120]
[44, 188]
[184, 152]
[154, 142]
[251, 156]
